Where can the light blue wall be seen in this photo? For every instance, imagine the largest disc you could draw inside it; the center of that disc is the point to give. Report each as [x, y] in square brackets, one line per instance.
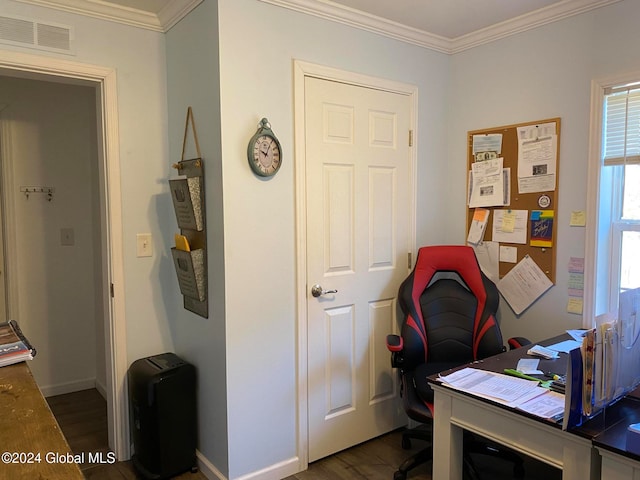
[193, 80]
[231, 60]
[538, 74]
[258, 45]
[542, 73]
[138, 58]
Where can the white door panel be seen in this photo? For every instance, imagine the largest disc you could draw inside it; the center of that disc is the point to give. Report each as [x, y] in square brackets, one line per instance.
[358, 204]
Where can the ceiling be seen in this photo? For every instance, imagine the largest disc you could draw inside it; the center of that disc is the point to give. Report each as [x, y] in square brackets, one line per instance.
[448, 26]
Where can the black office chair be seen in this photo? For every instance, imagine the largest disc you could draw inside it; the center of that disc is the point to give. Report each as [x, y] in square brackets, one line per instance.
[447, 310]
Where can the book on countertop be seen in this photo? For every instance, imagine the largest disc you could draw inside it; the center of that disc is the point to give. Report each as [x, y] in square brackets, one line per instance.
[14, 346]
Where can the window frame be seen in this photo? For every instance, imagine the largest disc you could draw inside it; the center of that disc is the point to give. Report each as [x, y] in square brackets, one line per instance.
[609, 294]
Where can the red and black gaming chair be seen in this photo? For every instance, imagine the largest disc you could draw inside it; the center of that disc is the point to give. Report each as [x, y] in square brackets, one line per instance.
[447, 307]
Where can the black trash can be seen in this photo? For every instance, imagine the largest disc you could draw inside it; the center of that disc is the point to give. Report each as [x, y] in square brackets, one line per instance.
[162, 415]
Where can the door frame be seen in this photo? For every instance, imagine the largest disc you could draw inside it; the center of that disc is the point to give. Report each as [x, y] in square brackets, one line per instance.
[6, 289]
[104, 79]
[301, 70]
[7, 215]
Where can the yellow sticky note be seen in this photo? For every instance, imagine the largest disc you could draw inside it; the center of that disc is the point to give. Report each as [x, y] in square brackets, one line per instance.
[574, 305]
[508, 222]
[578, 218]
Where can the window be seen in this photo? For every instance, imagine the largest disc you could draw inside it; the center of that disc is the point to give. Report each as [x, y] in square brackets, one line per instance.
[618, 234]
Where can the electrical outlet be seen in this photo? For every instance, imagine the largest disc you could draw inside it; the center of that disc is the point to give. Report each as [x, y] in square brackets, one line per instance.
[144, 245]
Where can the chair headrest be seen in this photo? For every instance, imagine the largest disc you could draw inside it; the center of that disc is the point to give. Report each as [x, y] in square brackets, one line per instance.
[460, 259]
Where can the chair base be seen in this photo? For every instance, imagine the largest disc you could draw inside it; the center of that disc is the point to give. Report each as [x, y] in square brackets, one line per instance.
[423, 456]
[471, 445]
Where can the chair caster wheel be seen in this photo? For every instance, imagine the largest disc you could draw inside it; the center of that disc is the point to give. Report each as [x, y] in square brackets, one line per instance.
[406, 443]
[399, 475]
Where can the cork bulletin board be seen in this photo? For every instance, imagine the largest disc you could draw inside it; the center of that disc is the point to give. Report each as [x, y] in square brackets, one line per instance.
[528, 154]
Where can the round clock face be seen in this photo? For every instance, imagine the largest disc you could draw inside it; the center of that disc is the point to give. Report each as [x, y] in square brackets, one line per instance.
[266, 155]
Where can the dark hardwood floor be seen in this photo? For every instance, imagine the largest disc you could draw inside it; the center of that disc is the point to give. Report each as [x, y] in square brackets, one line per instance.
[83, 419]
[378, 459]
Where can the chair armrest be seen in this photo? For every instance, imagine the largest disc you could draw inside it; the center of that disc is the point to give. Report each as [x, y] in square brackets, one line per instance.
[395, 343]
[517, 342]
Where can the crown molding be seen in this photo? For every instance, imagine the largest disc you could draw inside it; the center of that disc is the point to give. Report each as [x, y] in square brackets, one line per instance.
[365, 21]
[171, 14]
[175, 11]
[372, 23]
[528, 21]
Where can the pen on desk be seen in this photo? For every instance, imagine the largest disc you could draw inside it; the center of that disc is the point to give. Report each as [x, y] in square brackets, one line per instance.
[516, 373]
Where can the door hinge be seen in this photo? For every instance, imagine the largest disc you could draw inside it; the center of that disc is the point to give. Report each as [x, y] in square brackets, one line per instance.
[112, 291]
[411, 138]
[409, 260]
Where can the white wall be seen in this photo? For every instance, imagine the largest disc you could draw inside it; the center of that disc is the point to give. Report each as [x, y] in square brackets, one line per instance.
[52, 143]
[543, 73]
[258, 43]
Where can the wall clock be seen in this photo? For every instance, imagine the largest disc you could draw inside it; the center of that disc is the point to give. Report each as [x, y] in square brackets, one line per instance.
[264, 153]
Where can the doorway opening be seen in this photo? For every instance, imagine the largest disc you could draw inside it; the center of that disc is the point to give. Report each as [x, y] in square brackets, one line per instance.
[106, 238]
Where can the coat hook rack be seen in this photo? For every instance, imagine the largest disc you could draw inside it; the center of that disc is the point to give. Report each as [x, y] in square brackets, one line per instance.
[38, 189]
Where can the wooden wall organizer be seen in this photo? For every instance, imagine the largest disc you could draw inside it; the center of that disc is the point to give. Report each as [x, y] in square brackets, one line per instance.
[190, 257]
[544, 257]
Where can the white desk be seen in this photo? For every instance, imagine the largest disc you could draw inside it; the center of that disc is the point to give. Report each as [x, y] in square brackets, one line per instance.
[618, 467]
[455, 411]
[611, 443]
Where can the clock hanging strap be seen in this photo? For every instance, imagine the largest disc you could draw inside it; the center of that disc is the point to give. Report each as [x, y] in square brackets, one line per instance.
[188, 121]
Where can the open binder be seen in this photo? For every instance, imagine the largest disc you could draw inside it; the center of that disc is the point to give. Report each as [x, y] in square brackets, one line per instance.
[14, 346]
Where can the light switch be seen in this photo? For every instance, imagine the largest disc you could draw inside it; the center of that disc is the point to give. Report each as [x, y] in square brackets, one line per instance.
[67, 237]
[144, 245]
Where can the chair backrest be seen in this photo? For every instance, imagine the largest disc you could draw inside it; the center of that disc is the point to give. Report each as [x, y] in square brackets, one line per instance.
[448, 321]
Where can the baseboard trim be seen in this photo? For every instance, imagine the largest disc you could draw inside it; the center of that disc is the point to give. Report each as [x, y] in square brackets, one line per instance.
[102, 389]
[277, 471]
[69, 387]
[207, 468]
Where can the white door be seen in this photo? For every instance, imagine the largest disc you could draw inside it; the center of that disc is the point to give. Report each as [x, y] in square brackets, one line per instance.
[358, 223]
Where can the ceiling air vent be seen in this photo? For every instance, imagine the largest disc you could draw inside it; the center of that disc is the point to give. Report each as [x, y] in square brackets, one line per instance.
[52, 36]
[33, 34]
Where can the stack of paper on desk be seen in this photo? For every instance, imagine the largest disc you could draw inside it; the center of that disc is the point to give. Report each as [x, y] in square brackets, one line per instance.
[514, 392]
[14, 346]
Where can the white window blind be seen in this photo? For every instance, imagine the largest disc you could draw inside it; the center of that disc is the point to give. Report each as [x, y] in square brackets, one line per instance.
[621, 135]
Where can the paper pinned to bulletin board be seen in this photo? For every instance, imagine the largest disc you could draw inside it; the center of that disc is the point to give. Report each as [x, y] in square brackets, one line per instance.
[523, 285]
[523, 203]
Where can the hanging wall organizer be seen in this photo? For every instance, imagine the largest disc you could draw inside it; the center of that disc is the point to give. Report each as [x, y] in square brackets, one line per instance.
[190, 251]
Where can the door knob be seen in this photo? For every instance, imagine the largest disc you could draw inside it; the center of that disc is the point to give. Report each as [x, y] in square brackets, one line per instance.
[317, 290]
